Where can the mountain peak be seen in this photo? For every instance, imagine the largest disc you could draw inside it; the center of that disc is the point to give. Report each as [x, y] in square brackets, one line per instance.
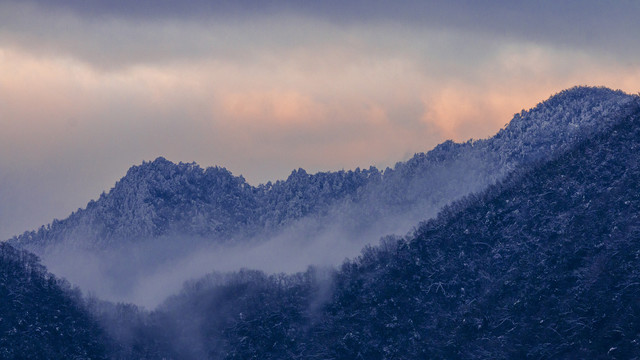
[582, 92]
[161, 164]
[559, 122]
[573, 106]
[160, 160]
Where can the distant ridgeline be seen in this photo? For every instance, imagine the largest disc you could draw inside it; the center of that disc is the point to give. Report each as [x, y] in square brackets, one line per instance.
[161, 198]
[545, 264]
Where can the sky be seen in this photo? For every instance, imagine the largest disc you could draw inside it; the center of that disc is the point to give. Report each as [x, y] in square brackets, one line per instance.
[89, 88]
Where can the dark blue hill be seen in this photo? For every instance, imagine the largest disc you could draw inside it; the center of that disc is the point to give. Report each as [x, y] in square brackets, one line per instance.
[40, 316]
[545, 265]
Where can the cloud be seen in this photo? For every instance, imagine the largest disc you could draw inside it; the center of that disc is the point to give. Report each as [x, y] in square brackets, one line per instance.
[598, 26]
[283, 108]
[113, 34]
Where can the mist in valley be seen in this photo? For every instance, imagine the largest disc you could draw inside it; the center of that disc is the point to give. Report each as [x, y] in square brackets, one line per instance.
[146, 271]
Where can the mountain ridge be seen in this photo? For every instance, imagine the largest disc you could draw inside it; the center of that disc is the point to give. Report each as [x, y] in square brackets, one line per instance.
[41, 317]
[160, 197]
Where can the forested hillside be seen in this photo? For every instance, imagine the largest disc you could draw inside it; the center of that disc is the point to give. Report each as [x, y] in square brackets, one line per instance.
[161, 198]
[545, 264]
[41, 317]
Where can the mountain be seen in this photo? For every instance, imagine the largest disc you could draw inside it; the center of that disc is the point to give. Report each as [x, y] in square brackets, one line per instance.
[545, 264]
[41, 317]
[161, 198]
[165, 223]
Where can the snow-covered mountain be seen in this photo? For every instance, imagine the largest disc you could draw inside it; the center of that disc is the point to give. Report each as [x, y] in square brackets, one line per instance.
[164, 223]
[160, 198]
[544, 264]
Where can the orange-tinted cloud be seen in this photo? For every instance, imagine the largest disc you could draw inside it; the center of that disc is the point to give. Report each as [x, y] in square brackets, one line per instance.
[281, 108]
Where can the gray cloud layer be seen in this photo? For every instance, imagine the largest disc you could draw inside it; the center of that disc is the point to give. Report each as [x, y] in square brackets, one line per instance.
[601, 25]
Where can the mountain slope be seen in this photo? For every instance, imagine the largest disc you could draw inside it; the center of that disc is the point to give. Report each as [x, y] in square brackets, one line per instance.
[417, 189]
[545, 264]
[40, 317]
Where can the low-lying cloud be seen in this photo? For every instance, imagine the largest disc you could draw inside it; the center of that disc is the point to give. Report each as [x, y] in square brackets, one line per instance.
[146, 273]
